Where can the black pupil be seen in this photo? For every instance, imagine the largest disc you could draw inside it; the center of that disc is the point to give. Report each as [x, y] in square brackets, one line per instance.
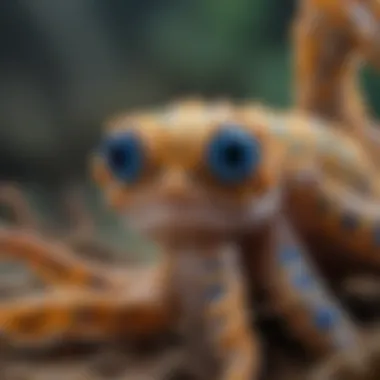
[233, 154]
[120, 156]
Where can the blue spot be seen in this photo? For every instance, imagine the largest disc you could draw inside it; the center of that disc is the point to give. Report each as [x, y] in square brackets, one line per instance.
[214, 292]
[304, 280]
[233, 155]
[124, 155]
[326, 318]
[289, 254]
[349, 222]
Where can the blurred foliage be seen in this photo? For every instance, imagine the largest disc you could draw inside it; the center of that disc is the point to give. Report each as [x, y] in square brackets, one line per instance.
[66, 65]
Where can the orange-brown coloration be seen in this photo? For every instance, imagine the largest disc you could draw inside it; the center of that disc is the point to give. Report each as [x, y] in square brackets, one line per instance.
[178, 200]
[175, 139]
[286, 141]
[52, 262]
[227, 318]
[329, 38]
[291, 144]
[347, 220]
[91, 314]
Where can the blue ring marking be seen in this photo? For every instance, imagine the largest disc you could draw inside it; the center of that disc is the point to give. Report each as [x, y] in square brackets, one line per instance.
[325, 318]
[289, 254]
[303, 281]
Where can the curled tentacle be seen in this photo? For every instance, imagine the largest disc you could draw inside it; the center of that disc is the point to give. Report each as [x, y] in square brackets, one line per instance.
[341, 217]
[53, 262]
[228, 317]
[143, 309]
[302, 299]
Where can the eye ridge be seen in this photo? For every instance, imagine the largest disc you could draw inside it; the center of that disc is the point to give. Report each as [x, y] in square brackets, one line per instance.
[232, 155]
[124, 155]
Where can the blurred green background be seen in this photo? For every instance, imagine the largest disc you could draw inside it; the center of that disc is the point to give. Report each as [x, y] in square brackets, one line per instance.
[68, 64]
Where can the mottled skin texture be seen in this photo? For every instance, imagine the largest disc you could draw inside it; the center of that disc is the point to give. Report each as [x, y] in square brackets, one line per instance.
[247, 237]
[331, 40]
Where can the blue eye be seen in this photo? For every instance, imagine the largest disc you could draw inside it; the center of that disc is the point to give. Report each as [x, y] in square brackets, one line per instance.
[233, 155]
[125, 156]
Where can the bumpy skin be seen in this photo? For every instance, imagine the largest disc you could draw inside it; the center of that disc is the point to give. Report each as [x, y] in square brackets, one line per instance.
[330, 39]
[165, 171]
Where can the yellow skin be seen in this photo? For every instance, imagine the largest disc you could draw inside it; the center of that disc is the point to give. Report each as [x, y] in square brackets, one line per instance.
[218, 228]
[330, 40]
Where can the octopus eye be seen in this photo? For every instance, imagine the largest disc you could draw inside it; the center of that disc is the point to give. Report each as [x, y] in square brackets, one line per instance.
[233, 155]
[124, 155]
